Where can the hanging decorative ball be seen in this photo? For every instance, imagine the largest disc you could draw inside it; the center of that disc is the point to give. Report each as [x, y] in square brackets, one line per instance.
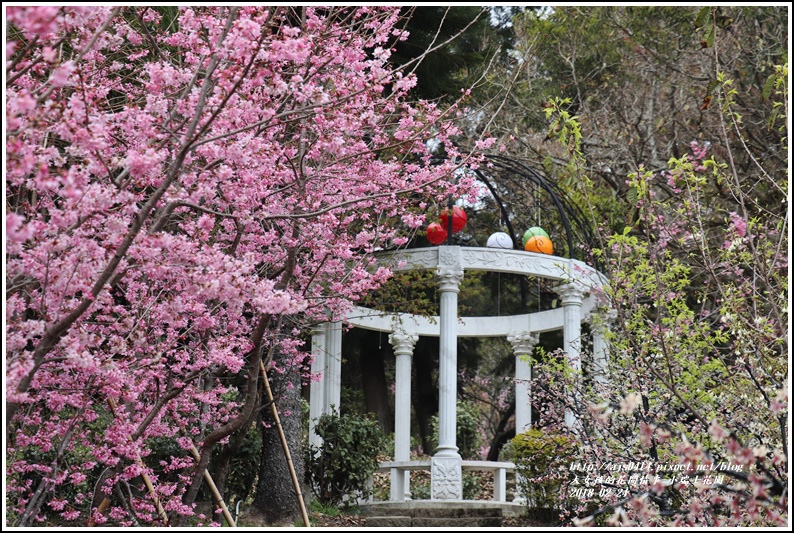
[436, 233]
[500, 239]
[534, 231]
[539, 244]
[459, 218]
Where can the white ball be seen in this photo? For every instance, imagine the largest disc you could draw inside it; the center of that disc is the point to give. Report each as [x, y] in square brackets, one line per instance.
[500, 239]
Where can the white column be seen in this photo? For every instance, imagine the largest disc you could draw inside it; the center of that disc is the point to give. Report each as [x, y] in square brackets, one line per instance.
[333, 366]
[317, 386]
[523, 345]
[600, 325]
[571, 300]
[403, 344]
[446, 480]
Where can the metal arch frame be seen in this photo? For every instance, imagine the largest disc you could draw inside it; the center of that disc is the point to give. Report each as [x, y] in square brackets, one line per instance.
[569, 213]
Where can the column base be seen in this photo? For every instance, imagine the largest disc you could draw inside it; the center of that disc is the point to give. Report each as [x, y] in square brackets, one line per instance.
[446, 477]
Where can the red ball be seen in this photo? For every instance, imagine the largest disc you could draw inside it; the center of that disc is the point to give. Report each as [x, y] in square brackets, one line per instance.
[436, 233]
[459, 218]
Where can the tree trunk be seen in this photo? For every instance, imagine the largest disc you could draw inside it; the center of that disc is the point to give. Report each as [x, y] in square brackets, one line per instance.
[503, 433]
[223, 466]
[373, 381]
[275, 493]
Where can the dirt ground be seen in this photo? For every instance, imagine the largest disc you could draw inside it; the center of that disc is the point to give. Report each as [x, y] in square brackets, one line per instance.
[356, 520]
[361, 521]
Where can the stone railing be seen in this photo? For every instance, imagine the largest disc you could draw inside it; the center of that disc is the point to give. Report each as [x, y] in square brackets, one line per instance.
[500, 469]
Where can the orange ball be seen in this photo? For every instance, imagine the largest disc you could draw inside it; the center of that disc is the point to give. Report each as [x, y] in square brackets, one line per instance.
[539, 244]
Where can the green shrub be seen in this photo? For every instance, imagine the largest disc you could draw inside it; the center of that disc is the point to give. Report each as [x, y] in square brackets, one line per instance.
[473, 487]
[468, 440]
[542, 461]
[340, 469]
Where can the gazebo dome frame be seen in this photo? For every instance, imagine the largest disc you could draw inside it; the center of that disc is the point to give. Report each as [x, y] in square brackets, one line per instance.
[578, 284]
[573, 220]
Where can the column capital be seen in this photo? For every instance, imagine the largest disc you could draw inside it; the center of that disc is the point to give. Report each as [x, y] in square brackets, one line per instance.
[319, 328]
[523, 343]
[449, 279]
[403, 342]
[571, 293]
[603, 318]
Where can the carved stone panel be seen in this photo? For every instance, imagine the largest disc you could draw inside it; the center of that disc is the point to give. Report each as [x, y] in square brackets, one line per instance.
[449, 258]
[446, 479]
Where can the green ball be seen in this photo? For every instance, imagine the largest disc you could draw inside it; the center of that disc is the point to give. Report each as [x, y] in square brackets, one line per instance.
[534, 231]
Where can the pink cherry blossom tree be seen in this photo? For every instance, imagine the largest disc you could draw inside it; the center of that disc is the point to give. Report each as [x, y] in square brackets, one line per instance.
[187, 188]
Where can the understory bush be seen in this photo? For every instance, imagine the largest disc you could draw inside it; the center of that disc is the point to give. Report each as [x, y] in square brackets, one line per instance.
[339, 470]
[467, 432]
[542, 462]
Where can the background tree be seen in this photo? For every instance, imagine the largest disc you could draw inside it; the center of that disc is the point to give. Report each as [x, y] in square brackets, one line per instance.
[471, 42]
[699, 373]
[641, 80]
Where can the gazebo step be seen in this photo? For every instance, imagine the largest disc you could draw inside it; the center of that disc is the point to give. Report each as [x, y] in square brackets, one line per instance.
[457, 512]
[389, 521]
[456, 522]
[433, 513]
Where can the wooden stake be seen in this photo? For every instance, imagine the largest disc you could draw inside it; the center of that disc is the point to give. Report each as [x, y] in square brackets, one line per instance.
[101, 509]
[214, 489]
[273, 409]
[144, 475]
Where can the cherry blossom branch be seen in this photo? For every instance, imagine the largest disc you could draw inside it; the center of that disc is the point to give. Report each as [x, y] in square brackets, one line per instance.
[35, 503]
[88, 47]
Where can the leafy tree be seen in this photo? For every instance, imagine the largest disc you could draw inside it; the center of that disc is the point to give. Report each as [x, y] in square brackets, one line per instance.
[696, 409]
[185, 190]
[642, 82]
[461, 41]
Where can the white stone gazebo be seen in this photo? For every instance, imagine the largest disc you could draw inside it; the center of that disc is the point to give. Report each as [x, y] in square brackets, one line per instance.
[578, 285]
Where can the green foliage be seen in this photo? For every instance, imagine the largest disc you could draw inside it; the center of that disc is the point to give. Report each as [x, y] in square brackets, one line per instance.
[339, 470]
[243, 467]
[445, 71]
[408, 292]
[468, 437]
[327, 509]
[542, 460]
[473, 488]
[698, 280]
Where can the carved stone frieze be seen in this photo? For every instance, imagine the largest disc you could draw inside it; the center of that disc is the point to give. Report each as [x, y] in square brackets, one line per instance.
[424, 258]
[513, 261]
